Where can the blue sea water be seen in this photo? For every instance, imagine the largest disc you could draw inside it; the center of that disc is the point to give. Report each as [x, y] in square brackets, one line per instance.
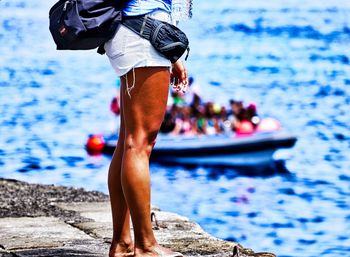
[290, 57]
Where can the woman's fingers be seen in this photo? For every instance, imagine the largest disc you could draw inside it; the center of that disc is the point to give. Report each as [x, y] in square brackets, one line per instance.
[179, 86]
[179, 78]
[182, 72]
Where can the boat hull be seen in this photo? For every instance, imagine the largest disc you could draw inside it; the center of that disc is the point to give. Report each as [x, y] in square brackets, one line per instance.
[218, 150]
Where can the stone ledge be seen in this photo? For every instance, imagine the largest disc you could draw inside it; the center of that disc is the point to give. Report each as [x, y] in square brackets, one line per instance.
[40, 220]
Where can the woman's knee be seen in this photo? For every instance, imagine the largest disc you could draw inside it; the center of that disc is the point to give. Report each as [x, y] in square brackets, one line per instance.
[141, 142]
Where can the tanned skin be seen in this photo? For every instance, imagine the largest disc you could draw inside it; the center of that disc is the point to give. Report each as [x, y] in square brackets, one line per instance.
[142, 113]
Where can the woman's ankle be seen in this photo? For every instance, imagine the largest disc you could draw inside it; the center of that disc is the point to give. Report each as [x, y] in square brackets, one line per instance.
[145, 247]
[122, 241]
[121, 246]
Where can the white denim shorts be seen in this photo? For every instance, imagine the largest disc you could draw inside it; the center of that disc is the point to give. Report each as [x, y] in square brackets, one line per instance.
[128, 50]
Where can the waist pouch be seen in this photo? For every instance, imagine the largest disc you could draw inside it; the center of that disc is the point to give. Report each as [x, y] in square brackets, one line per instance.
[167, 39]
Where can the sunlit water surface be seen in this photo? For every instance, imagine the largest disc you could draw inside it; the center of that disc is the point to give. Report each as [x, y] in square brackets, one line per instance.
[290, 57]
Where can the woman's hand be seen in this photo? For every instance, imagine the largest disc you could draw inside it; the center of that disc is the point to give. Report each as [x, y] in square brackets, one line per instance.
[179, 78]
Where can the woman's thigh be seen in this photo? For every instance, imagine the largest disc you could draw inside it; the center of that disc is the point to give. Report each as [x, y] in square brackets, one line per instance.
[145, 103]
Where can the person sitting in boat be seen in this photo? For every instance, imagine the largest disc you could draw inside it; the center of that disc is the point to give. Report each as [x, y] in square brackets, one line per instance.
[240, 116]
[211, 121]
[178, 120]
[253, 115]
[235, 113]
[224, 122]
[171, 120]
[188, 119]
[196, 105]
[114, 107]
[168, 124]
[177, 98]
[197, 110]
[185, 122]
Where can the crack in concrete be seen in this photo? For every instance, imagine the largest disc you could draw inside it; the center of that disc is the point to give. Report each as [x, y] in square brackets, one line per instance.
[86, 231]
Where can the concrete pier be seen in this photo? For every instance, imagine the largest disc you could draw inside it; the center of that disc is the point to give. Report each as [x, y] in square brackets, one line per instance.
[46, 220]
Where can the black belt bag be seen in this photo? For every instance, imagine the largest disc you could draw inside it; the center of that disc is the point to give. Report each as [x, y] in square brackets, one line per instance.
[167, 39]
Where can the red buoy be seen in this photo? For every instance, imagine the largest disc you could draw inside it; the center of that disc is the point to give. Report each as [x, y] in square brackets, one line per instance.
[95, 144]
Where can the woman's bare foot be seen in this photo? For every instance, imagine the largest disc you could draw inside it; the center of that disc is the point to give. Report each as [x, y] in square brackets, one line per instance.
[157, 251]
[121, 250]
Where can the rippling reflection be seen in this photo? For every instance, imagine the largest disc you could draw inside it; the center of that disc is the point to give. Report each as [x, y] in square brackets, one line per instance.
[280, 212]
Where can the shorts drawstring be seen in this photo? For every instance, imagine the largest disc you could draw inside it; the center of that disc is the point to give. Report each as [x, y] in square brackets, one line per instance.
[128, 89]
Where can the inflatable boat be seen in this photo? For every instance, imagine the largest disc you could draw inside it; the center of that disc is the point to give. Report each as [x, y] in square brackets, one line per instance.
[219, 150]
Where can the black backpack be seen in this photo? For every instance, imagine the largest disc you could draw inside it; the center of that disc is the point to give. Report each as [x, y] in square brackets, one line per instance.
[84, 24]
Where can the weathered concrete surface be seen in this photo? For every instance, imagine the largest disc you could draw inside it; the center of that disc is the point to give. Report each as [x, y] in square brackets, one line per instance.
[17, 233]
[171, 230]
[61, 221]
[86, 248]
[98, 215]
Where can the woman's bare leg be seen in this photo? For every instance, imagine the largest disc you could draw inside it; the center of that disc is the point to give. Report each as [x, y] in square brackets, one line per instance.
[143, 113]
[121, 242]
